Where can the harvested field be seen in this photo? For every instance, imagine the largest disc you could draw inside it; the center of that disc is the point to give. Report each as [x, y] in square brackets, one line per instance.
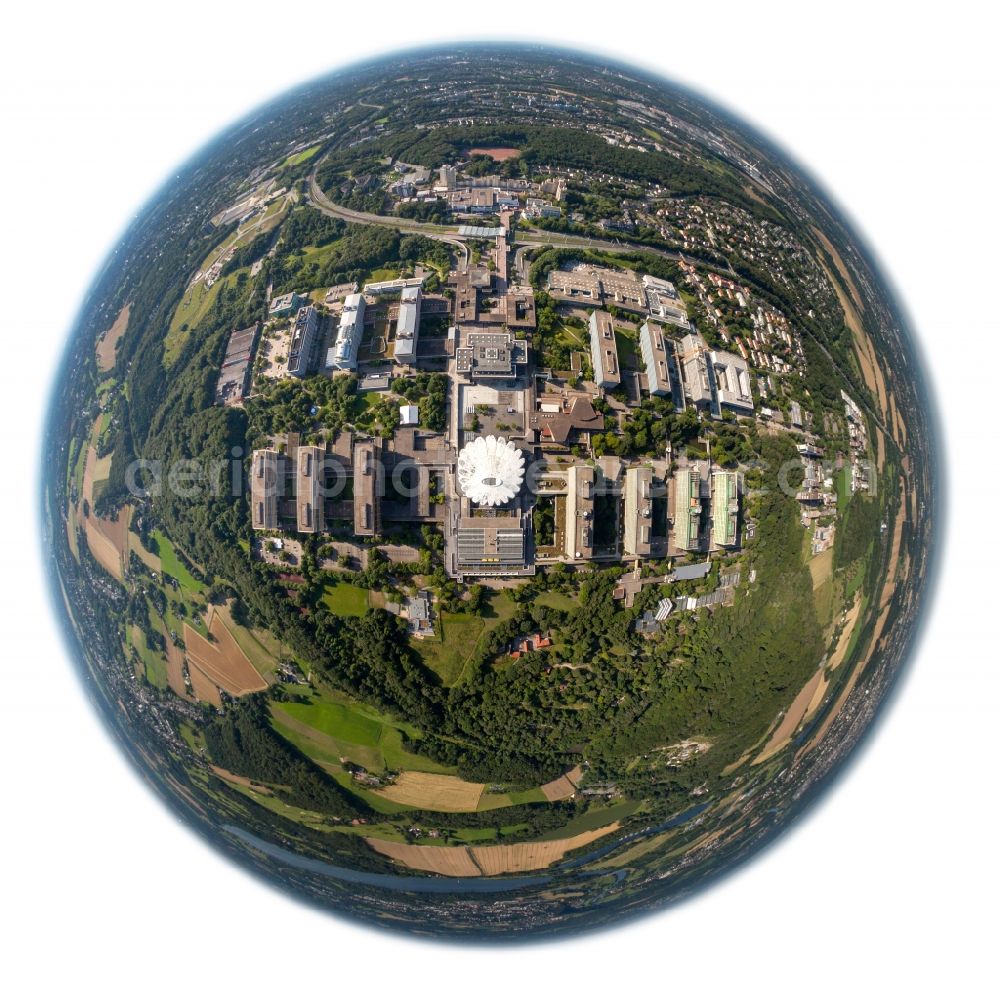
[108, 341]
[486, 860]
[427, 858]
[622, 859]
[792, 718]
[852, 307]
[845, 636]
[431, 791]
[222, 661]
[527, 856]
[563, 787]
[231, 777]
[71, 525]
[260, 647]
[102, 547]
[204, 689]
[811, 695]
[497, 154]
[883, 607]
[95, 470]
[149, 559]
[821, 568]
[108, 540]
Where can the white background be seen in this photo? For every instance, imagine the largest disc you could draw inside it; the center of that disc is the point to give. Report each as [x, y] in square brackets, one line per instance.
[892, 880]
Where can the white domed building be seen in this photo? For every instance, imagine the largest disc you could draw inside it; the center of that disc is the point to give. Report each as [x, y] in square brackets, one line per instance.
[490, 471]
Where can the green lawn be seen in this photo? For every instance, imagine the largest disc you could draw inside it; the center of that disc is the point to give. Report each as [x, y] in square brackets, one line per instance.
[336, 721]
[447, 655]
[556, 600]
[154, 663]
[461, 636]
[299, 157]
[628, 356]
[380, 275]
[172, 565]
[342, 730]
[195, 304]
[843, 488]
[345, 600]
[594, 818]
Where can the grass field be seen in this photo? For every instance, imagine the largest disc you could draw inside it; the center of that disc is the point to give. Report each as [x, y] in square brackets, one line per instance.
[196, 303]
[843, 484]
[328, 729]
[154, 664]
[299, 157]
[461, 635]
[172, 565]
[596, 817]
[448, 654]
[345, 600]
[556, 600]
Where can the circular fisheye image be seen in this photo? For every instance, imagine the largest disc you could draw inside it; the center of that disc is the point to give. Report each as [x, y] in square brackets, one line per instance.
[489, 492]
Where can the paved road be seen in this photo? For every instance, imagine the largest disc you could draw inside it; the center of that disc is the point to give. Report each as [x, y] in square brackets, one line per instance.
[527, 239]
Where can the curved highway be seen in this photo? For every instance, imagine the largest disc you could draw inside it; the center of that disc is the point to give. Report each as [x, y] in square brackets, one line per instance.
[529, 239]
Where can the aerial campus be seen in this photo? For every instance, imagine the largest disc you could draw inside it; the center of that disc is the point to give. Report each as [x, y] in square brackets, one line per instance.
[594, 507]
[572, 509]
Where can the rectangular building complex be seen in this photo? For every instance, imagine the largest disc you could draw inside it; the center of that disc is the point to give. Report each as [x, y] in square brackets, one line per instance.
[309, 489]
[731, 376]
[725, 508]
[407, 326]
[367, 487]
[638, 511]
[264, 485]
[604, 350]
[653, 348]
[687, 509]
[343, 354]
[695, 369]
[579, 530]
[300, 351]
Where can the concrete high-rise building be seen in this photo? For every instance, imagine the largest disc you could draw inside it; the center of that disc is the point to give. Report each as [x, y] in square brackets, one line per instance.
[654, 350]
[343, 354]
[309, 499]
[264, 486]
[300, 351]
[604, 350]
[638, 511]
[726, 488]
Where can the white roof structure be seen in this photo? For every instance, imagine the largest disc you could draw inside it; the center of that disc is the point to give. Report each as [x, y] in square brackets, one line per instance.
[490, 471]
[732, 378]
[343, 354]
[409, 413]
